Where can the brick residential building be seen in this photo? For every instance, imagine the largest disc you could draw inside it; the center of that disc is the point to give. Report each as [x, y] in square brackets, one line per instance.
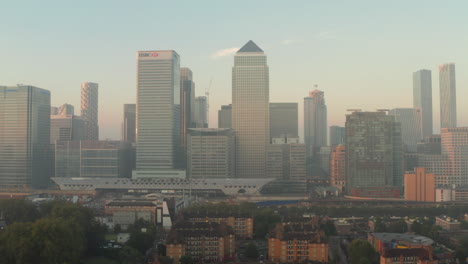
[204, 242]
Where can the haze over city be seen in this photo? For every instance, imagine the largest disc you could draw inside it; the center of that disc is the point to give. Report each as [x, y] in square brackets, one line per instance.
[191, 132]
[360, 53]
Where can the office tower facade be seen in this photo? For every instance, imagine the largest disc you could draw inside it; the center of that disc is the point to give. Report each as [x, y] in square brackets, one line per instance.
[286, 162]
[411, 126]
[158, 114]
[66, 128]
[455, 148]
[284, 120]
[92, 159]
[430, 145]
[187, 106]
[337, 136]
[373, 155]
[448, 96]
[250, 110]
[338, 167]
[420, 186]
[324, 160]
[211, 153]
[422, 99]
[65, 109]
[129, 123]
[315, 122]
[225, 116]
[201, 112]
[24, 136]
[89, 109]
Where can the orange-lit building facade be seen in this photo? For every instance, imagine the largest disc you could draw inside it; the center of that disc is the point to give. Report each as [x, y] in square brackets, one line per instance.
[204, 242]
[420, 186]
[242, 225]
[338, 165]
[295, 242]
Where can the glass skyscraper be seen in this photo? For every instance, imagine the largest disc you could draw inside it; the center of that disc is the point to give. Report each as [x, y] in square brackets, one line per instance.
[89, 109]
[250, 110]
[315, 122]
[373, 155]
[422, 99]
[129, 123]
[411, 129]
[448, 96]
[24, 136]
[283, 120]
[225, 116]
[158, 114]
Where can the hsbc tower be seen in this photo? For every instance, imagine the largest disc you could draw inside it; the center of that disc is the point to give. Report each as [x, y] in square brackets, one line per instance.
[158, 115]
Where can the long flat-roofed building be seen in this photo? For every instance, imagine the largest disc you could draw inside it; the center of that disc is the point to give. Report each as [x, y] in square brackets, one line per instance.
[92, 159]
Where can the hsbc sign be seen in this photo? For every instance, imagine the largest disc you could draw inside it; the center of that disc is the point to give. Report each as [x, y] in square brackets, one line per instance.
[149, 54]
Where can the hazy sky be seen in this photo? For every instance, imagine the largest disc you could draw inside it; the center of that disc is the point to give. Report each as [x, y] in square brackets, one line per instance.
[361, 53]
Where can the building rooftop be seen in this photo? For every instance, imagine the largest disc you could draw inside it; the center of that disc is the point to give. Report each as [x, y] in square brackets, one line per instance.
[421, 253]
[408, 238]
[250, 46]
[447, 218]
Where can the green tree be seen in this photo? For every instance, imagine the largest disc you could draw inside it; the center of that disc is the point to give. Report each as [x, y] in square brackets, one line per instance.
[251, 251]
[461, 252]
[58, 241]
[264, 221]
[16, 245]
[142, 235]
[398, 227]
[186, 260]
[329, 228]
[361, 251]
[379, 225]
[18, 210]
[129, 255]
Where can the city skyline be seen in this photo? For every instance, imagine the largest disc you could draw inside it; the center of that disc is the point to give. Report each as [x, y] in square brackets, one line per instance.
[293, 54]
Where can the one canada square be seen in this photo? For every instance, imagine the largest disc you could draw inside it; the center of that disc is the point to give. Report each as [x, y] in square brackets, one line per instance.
[250, 110]
[158, 114]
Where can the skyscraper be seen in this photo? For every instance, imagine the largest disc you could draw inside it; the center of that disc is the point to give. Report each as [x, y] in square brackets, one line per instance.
[422, 99]
[187, 109]
[211, 153]
[225, 116]
[283, 120]
[158, 114]
[315, 122]
[201, 112]
[66, 128]
[129, 123]
[24, 136]
[373, 155]
[448, 96]
[65, 109]
[89, 109]
[337, 167]
[250, 110]
[337, 136]
[411, 128]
